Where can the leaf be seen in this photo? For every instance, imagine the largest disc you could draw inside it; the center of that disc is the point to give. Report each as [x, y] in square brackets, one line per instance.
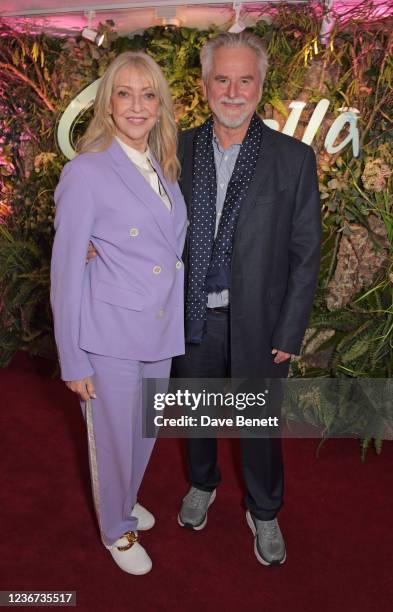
[16, 57]
[333, 184]
[359, 348]
[277, 103]
[364, 444]
[195, 101]
[378, 446]
[95, 53]
[35, 51]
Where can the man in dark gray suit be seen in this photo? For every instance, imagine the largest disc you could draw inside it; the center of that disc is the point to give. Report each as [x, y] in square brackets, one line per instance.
[252, 260]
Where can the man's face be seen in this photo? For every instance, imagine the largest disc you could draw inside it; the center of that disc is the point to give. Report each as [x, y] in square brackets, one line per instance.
[234, 87]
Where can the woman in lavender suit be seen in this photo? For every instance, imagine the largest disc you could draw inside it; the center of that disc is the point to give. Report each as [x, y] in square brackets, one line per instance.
[120, 318]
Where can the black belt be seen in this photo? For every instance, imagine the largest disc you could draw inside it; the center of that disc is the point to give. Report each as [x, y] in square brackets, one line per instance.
[219, 309]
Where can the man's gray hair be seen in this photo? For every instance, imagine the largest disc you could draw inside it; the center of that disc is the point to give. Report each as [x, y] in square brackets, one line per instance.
[231, 40]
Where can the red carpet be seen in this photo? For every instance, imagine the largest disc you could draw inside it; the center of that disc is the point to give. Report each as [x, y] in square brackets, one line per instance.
[337, 520]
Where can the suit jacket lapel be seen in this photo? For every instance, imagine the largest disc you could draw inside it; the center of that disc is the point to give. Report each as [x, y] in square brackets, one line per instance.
[145, 193]
[165, 183]
[261, 185]
[171, 219]
[186, 157]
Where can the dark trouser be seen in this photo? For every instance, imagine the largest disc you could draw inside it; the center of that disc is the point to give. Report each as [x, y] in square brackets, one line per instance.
[261, 457]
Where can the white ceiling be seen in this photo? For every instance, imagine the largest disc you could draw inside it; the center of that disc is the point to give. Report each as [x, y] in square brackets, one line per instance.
[69, 16]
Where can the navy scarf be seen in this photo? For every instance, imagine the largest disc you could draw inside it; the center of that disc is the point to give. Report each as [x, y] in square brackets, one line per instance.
[209, 265]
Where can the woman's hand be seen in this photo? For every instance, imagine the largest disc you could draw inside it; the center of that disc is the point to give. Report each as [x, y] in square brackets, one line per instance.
[91, 252]
[84, 388]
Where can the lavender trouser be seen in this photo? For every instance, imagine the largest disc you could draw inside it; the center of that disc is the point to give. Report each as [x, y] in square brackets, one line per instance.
[118, 454]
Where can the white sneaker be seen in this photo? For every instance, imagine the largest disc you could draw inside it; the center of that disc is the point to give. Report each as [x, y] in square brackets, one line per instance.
[129, 555]
[145, 518]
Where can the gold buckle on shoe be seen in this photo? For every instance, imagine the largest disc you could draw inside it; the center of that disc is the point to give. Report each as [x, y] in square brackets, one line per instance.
[132, 537]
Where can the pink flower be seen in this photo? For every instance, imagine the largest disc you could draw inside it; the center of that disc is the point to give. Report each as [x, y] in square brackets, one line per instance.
[5, 211]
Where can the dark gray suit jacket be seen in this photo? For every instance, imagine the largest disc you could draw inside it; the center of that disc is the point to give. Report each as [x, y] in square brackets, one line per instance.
[276, 252]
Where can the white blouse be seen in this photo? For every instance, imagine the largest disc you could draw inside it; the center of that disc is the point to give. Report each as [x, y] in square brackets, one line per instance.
[142, 162]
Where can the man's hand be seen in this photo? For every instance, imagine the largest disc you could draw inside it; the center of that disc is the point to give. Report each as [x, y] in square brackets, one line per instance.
[84, 388]
[91, 253]
[280, 356]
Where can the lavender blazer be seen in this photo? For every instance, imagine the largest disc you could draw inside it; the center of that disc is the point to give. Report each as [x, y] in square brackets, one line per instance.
[128, 301]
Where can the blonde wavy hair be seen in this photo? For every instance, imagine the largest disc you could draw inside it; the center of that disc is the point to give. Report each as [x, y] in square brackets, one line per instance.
[163, 136]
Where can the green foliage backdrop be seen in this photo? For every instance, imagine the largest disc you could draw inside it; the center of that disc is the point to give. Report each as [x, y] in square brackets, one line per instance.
[351, 330]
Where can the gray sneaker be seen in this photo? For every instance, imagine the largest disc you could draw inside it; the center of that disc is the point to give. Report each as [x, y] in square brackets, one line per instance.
[193, 513]
[269, 546]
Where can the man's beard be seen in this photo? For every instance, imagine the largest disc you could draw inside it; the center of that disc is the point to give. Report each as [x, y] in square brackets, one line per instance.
[227, 121]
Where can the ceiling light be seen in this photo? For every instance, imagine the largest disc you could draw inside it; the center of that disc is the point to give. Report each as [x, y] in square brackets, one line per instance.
[175, 22]
[168, 16]
[93, 36]
[238, 25]
[89, 33]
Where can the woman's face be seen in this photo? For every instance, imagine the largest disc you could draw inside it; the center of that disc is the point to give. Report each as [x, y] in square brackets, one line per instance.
[134, 107]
